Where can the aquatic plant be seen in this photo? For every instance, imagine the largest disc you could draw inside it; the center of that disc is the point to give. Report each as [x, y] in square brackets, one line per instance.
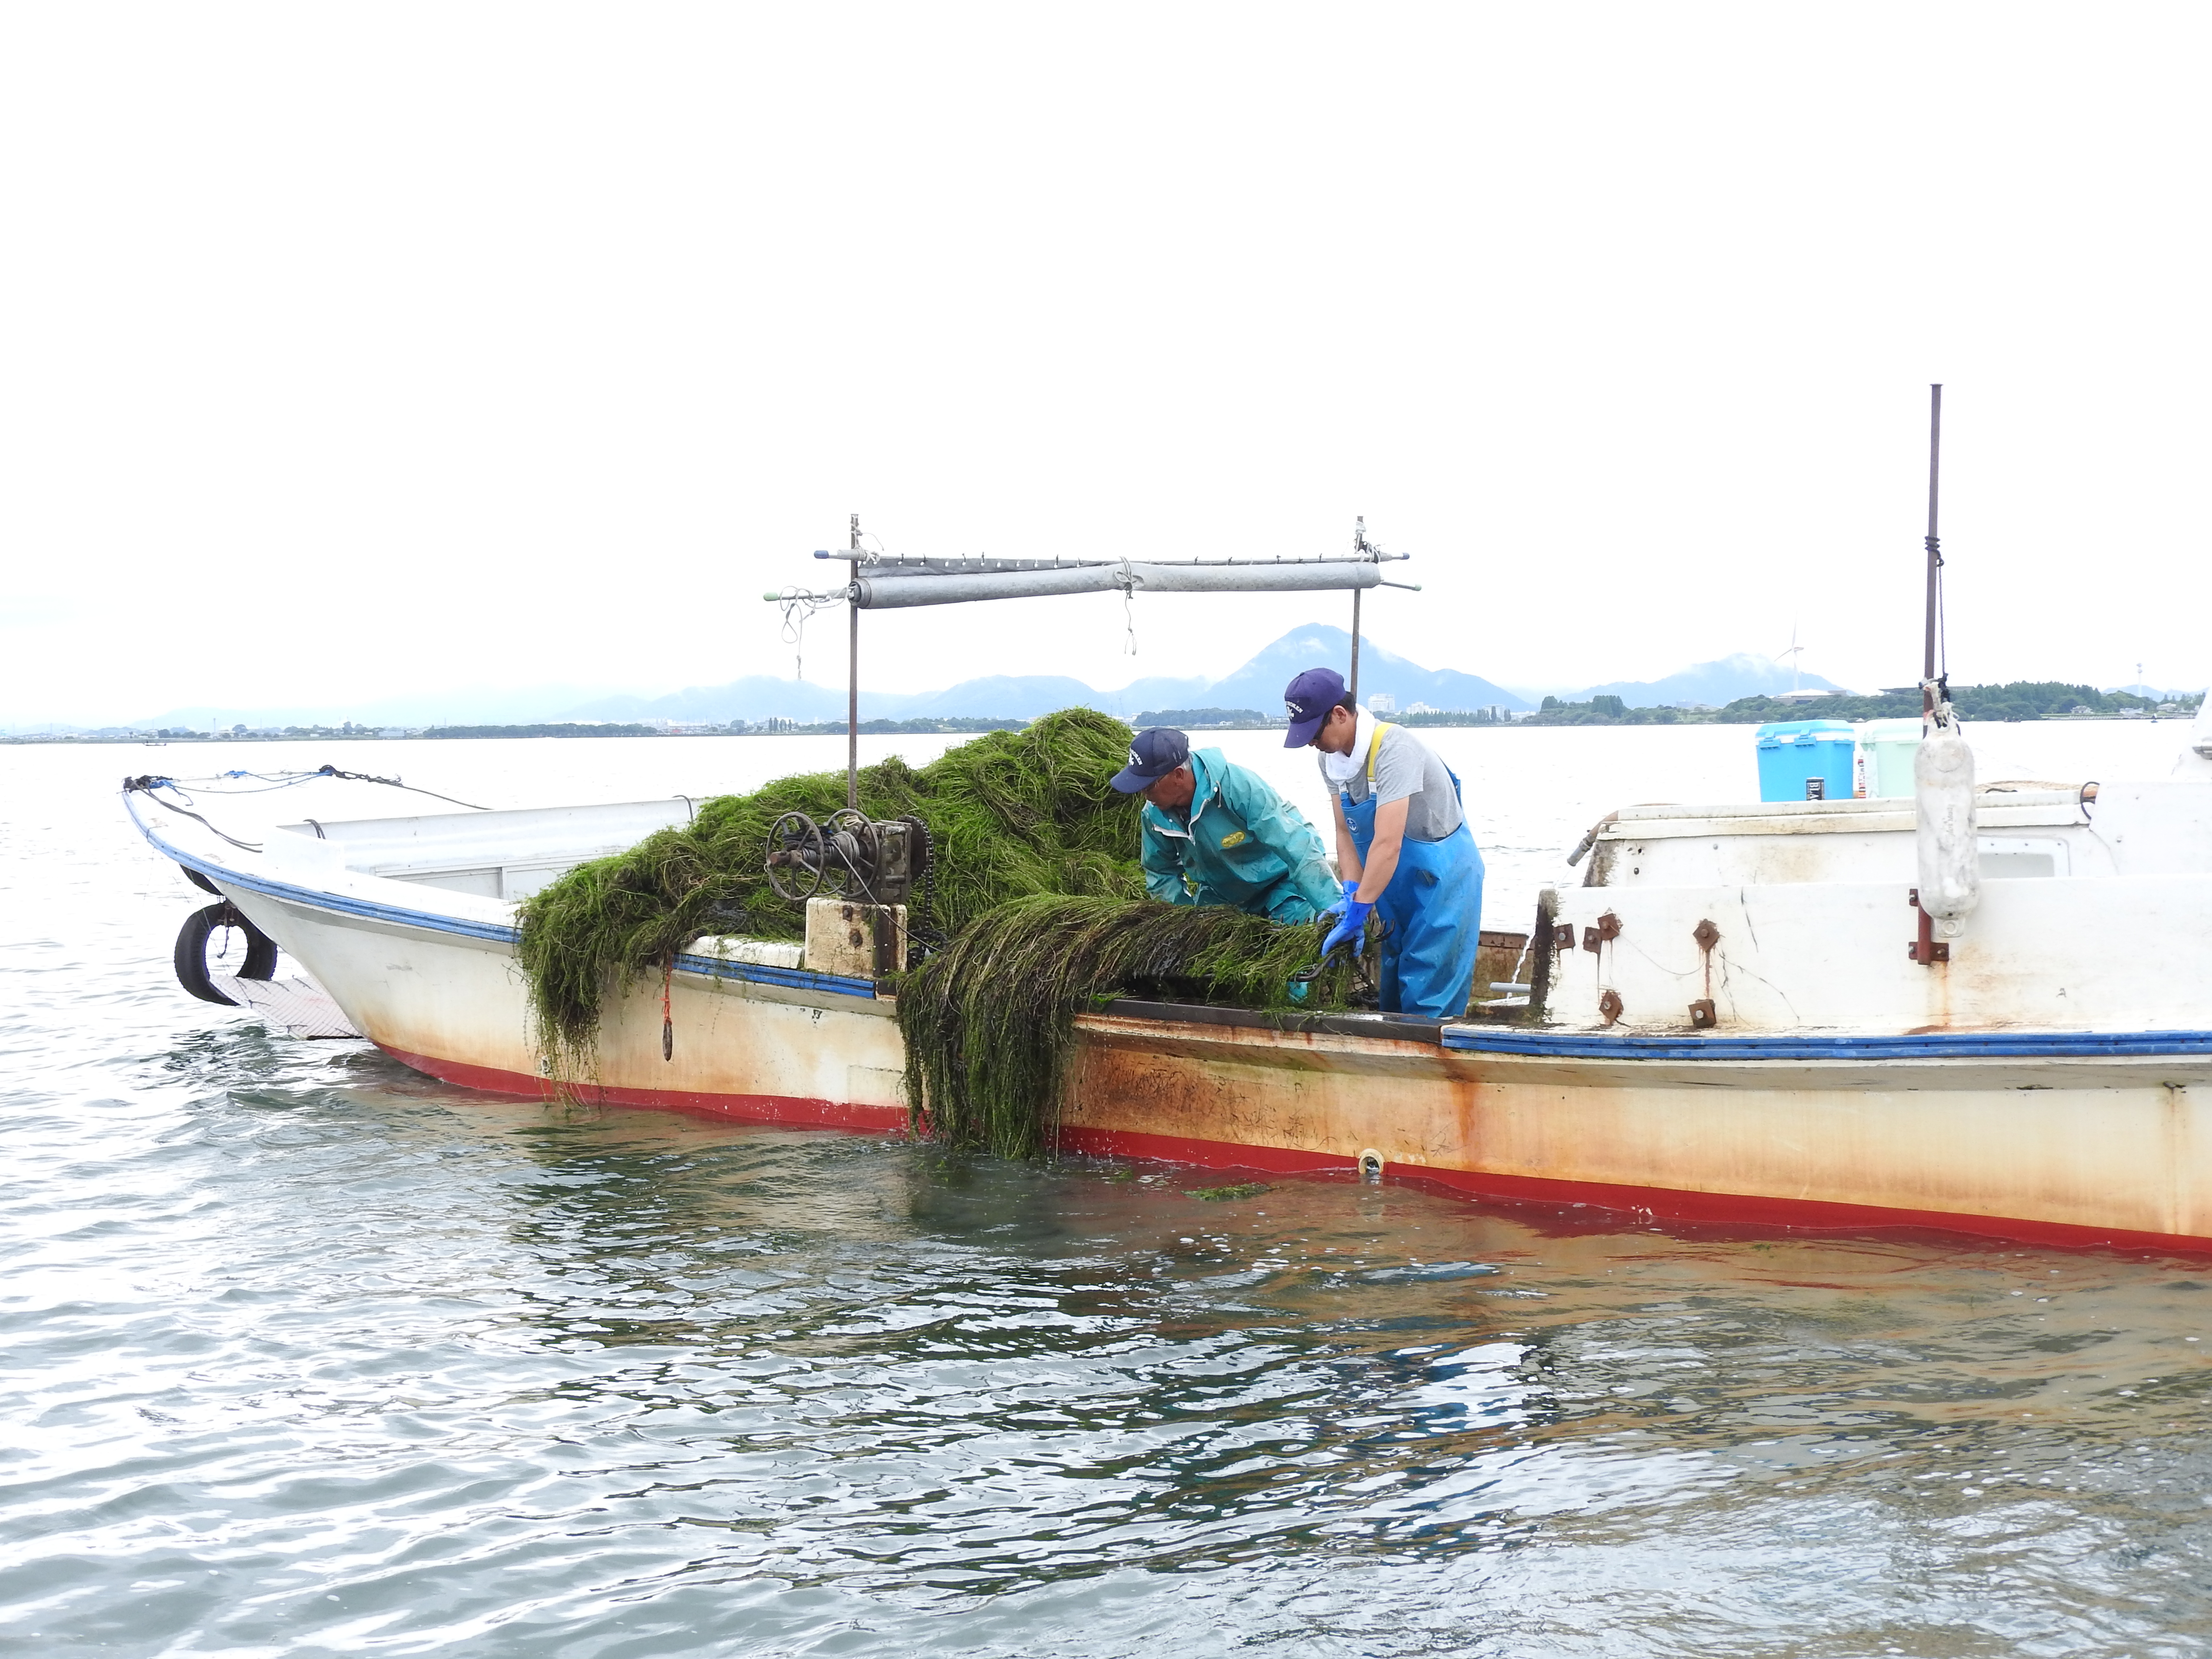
[1220, 1194]
[989, 1021]
[1010, 814]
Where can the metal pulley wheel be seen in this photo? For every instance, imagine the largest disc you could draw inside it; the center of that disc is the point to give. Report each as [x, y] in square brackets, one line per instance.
[851, 838]
[796, 857]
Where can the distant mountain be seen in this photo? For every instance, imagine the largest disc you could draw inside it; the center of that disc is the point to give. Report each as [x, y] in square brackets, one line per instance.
[1154, 691]
[478, 705]
[761, 696]
[755, 697]
[1718, 683]
[996, 697]
[2153, 694]
[1258, 684]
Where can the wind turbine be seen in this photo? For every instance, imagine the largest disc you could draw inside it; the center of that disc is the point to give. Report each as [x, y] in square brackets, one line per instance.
[1793, 654]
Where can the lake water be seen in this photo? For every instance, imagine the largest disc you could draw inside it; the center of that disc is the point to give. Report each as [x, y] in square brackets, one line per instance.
[305, 1353]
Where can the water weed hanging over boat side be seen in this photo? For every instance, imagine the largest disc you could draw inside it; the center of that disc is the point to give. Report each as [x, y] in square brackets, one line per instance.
[1010, 814]
[989, 1021]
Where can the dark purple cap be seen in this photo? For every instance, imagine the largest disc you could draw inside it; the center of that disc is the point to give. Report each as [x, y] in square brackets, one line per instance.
[1308, 700]
[1155, 753]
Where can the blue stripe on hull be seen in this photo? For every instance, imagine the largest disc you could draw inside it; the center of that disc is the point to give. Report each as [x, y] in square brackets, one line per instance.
[761, 973]
[1464, 1039]
[1934, 1045]
[499, 932]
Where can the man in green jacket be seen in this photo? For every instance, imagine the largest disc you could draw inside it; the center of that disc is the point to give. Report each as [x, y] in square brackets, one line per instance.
[1215, 833]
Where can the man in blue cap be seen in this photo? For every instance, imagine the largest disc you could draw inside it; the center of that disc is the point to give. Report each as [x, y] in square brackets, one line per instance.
[1402, 848]
[1215, 833]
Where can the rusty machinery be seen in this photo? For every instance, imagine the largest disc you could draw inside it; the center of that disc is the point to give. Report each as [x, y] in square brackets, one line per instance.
[854, 858]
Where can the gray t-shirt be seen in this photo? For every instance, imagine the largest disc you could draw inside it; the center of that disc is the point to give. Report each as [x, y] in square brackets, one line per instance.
[1404, 766]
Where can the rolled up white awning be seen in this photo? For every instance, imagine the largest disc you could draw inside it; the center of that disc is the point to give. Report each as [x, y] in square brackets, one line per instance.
[882, 591]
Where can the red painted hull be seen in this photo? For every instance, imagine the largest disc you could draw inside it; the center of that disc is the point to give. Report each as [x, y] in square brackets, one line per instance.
[1644, 1204]
[743, 1109]
[1638, 1203]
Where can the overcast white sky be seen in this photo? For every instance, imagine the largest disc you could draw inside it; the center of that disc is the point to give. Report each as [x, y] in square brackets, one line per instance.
[352, 350]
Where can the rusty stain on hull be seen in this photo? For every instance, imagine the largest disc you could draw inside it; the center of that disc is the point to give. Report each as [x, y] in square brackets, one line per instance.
[2118, 1147]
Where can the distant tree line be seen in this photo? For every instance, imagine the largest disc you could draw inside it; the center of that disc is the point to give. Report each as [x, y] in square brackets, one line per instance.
[836, 728]
[1455, 717]
[238, 733]
[1251, 720]
[2016, 700]
[548, 729]
[1218, 719]
[773, 727]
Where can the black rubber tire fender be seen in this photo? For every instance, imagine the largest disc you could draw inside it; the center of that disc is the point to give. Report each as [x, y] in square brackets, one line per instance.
[199, 880]
[191, 958]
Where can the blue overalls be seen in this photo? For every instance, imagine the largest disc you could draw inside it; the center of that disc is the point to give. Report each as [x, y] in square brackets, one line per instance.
[1431, 911]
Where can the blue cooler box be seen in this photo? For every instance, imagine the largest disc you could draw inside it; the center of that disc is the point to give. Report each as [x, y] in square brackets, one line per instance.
[1805, 760]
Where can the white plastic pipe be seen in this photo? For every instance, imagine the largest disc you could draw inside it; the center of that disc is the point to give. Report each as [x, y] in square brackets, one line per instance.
[886, 592]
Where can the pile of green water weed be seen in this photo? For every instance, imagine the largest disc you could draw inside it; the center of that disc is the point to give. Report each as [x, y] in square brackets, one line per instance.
[989, 1022]
[1222, 1195]
[1010, 814]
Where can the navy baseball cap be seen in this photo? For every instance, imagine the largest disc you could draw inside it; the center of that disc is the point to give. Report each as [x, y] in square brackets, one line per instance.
[1155, 753]
[1308, 700]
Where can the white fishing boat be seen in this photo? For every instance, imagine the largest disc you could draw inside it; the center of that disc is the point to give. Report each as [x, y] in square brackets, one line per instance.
[1987, 1009]
[1731, 1020]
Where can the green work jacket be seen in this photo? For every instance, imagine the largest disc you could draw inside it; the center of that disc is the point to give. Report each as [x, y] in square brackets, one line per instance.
[1238, 843]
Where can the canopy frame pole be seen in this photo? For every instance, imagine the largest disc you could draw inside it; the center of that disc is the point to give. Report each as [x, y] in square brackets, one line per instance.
[1934, 551]
[1923, 943]
[1361, 549]
[1356, 594]
[853, 676]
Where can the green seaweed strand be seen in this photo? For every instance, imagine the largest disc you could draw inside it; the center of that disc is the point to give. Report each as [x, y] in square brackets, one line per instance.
[989, 1022]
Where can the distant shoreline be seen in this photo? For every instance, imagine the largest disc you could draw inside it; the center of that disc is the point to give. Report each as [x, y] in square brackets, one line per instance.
[2015, 700]
[956, 728]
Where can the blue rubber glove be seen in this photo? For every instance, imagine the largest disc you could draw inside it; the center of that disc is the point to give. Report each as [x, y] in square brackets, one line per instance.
[1352, 929]
[1337, 909]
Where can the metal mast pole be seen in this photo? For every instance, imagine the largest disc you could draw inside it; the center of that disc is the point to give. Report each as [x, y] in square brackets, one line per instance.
[1359, 550]
[1934, 552]
[1355, 644]
[853, 678]
[1924, 948]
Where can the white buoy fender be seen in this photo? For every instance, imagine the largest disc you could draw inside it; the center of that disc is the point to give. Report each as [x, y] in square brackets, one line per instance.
[1943, 798]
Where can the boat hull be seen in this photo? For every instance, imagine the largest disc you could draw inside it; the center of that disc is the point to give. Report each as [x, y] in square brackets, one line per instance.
[746, 1042]
[2058, 1149]
[1982, 1134]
